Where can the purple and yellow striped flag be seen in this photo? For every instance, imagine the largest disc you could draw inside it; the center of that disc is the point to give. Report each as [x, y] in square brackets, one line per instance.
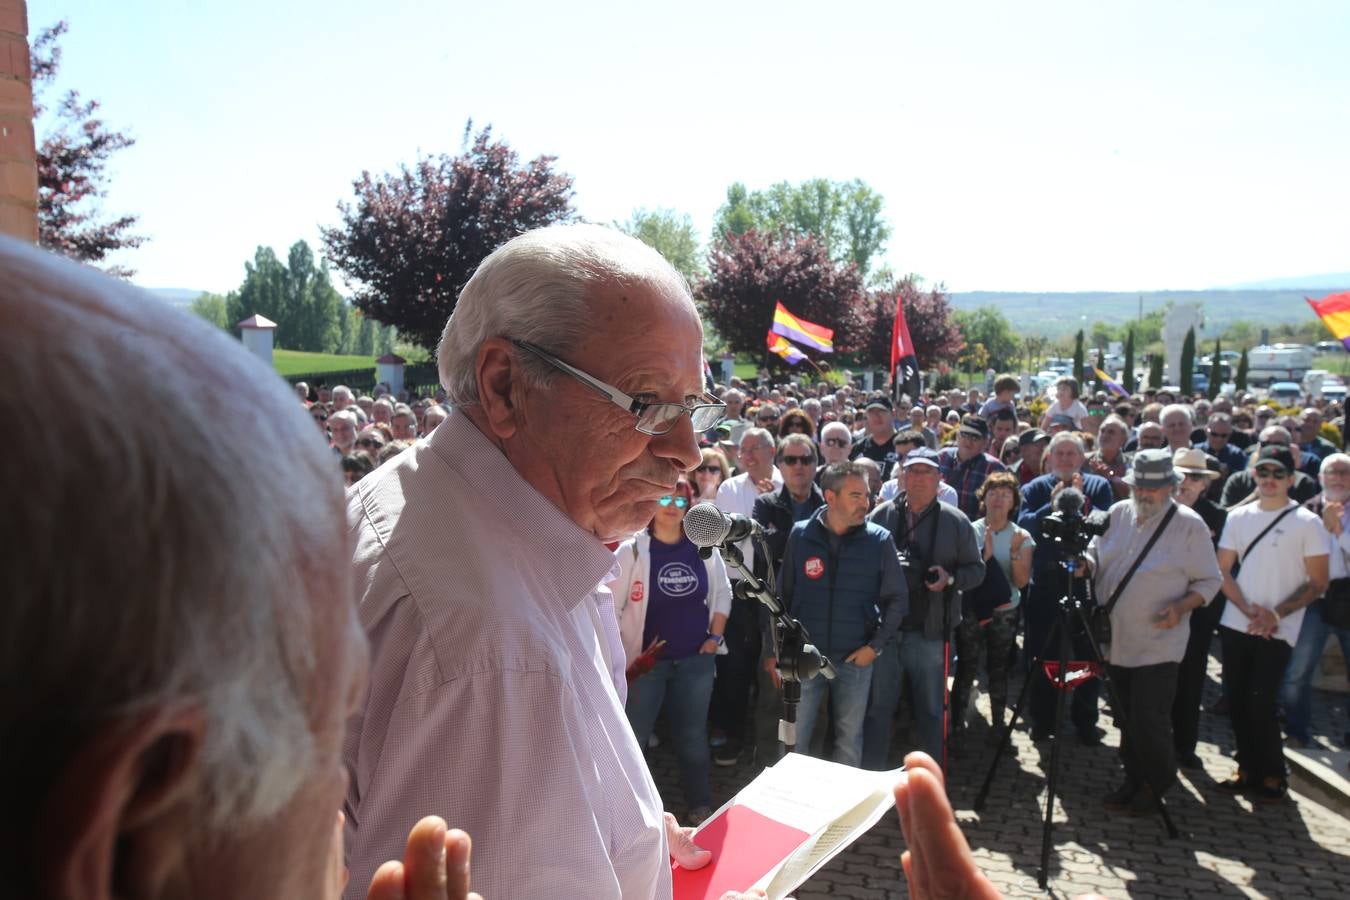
[784, 348]
[1111, 385]
[803, 332]
[1334, 311]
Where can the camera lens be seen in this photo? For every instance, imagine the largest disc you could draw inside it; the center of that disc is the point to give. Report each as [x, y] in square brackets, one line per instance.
[931, 576]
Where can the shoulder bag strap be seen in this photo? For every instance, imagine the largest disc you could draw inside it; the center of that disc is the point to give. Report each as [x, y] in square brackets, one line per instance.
[1120, 588]
[1267, 530]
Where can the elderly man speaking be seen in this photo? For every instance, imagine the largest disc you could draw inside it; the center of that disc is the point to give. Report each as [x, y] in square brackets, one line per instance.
[574, 365]
[1150, 587]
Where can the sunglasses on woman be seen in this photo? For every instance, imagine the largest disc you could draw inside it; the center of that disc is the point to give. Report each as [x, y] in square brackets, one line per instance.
[680, 502]
[716, 470]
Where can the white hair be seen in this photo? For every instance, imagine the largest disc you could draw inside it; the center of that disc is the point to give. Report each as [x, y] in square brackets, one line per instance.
[157, 566]
[1065, 437]
[1173, 408]
[342, 390]
[1333, 459]
[833, 428]
[349, 414]
[538, 288]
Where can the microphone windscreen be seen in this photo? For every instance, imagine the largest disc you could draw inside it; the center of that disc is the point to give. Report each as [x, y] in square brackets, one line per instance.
[705, 525]
[1070, 502]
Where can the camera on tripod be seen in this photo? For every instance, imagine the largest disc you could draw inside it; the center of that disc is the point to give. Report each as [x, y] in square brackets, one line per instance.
[1069, 531]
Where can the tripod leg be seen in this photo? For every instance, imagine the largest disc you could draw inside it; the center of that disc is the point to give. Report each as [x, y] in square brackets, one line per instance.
[1005, 733]
[1060, 702]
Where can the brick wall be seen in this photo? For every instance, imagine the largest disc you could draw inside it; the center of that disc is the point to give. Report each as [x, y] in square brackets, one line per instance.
[18, 154]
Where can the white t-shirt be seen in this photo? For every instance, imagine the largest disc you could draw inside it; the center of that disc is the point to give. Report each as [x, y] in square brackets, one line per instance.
[1274, 569]
[1077, 411]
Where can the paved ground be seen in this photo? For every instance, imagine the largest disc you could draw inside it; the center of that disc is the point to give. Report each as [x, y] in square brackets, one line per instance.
[1297, 849]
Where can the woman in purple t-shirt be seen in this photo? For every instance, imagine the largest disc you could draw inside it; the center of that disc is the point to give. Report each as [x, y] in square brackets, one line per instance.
[673, 605]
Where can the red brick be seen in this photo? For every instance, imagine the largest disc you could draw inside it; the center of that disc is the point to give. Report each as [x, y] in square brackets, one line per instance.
[16, 98]
[14, 57]
[18, 220]
[14, 17]
[18, 181]
[16, 137]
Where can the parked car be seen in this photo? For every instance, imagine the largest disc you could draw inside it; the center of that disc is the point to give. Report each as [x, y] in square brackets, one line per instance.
[1330, 347]
[1287, 393]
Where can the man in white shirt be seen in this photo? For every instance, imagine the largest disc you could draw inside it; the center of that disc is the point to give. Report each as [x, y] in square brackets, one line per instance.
[1261, 623]
[496, 685]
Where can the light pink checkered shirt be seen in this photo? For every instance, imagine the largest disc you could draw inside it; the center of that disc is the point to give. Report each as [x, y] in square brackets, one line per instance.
[493, 699]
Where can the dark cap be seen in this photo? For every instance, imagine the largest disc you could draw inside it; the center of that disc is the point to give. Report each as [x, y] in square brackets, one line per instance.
[921, 456]
[1031, 436]
[1275, 453]
[975, 427]
[879, 401]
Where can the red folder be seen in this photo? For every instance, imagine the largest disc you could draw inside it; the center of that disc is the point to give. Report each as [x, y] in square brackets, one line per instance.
[745, 846]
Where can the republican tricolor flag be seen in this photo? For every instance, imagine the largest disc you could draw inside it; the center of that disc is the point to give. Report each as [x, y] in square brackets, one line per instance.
[1334, 311]
[808, 334]
[784, 348]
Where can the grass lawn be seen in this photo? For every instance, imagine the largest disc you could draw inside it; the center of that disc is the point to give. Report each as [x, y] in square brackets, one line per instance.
[298, 362]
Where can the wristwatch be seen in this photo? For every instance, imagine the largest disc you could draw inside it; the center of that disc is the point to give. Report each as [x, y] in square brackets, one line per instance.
[716, 638]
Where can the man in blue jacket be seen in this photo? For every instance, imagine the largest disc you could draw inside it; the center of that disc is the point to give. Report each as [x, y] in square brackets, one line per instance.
[1049, 580]
[841, 578]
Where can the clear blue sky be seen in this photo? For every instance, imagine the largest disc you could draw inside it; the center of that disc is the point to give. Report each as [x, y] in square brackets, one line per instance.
[1019, 146]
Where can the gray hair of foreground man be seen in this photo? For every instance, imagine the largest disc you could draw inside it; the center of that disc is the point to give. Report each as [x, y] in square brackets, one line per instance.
[159, 567]
[536, 288]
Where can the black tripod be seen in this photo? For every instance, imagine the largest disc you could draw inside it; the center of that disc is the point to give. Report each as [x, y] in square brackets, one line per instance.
[1070, 612]
[798, 659]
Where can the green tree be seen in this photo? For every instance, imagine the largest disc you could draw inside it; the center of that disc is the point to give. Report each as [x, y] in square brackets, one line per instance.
[844, 216]
[297, 295]
[1101, 365]
[214, 309]
[1186, 377]
[1155, 371]
[987, 326]
[1215, 371]
[1127, 371]
[672, 235]
[1241, 333]
[1078, 354]
[1102, 334]
[1240, 379]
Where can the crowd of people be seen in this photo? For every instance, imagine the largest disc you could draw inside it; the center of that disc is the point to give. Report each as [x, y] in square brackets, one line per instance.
[958, 482]
[207, 710]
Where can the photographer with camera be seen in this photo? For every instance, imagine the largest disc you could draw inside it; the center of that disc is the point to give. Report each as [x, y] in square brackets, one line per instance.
[1154, 564]
[941, 558]
[1064, 487]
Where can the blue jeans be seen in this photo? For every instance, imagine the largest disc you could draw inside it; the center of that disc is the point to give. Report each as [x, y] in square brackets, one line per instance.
[1296, 691]
[848, 705]
[912, 654]
[684, 686]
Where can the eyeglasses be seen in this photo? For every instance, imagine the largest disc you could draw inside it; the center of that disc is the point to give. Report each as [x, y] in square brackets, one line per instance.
[1220, 434]
[319, 418]
[680, 502]
[1268, 472]
[798, 460]
[838, 442]
[369, 442]
[652, 418]
[1192, 476]
[716, 470]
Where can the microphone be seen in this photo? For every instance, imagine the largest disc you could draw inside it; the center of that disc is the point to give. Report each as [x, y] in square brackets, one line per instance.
[1070, 502]
[707, 526]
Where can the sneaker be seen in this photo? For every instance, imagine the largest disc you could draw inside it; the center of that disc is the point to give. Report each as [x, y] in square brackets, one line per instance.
[1238, 784]
[718, 738]
[729, 754]
[1270, 790]
[699, 814]
[1119, 799]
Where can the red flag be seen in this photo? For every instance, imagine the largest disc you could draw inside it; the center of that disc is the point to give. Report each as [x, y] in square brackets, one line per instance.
[904, 361]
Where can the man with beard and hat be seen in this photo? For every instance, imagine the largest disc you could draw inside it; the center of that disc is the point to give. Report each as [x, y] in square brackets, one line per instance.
[1149, 612]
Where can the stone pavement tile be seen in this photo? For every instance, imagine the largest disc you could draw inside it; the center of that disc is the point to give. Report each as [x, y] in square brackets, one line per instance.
[1228, 848]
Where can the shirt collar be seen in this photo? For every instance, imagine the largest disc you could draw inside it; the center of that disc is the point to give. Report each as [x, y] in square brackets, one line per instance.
[550, 545]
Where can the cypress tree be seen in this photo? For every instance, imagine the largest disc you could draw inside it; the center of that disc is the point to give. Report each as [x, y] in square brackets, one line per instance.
[1186, 377]
[1215, 372]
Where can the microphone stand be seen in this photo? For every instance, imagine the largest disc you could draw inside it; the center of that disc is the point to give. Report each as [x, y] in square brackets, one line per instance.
[798, 659]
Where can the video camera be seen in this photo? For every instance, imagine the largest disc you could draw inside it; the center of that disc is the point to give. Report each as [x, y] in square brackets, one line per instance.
[1068, 530]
